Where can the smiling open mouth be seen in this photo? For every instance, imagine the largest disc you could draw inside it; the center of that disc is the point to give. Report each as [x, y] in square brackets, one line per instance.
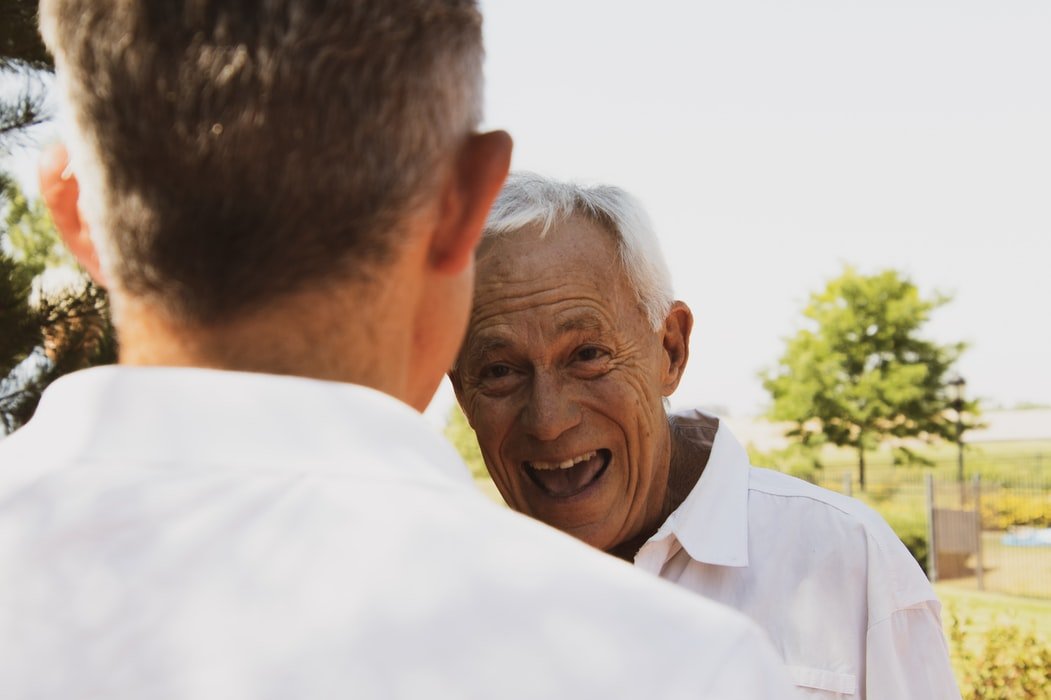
[568, 478]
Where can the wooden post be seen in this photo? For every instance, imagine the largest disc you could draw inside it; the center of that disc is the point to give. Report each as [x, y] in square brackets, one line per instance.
[979, 565]
[932, 557]
[848, 484]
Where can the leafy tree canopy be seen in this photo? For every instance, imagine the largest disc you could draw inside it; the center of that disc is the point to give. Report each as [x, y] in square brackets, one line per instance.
[23, 59]
[44, 332]
[30, 236]
[459, 433]
[860, 372]
[19, 38]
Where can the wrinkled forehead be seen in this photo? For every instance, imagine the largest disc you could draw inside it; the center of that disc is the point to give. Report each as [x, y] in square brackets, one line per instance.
[534, 287]
[576, 244]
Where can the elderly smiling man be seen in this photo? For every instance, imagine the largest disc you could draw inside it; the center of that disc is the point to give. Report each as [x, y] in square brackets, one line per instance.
[574, 342]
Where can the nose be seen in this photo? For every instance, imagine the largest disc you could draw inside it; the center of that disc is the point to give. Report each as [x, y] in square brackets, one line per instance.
[551, 410]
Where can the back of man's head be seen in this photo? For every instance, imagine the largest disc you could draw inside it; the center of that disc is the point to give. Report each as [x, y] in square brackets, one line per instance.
[233, 152]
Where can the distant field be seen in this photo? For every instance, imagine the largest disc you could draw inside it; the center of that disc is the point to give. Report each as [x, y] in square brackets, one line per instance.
[1019, 571]
[1005, 462]
[978, 611]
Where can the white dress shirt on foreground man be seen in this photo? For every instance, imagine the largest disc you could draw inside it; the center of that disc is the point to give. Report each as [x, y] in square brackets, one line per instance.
[189, 533]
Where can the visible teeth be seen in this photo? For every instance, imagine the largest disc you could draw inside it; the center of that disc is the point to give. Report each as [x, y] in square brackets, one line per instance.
[547, 466]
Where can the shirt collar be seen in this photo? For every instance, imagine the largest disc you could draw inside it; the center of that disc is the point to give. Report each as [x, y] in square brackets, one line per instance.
[712, 523]
[238, 420]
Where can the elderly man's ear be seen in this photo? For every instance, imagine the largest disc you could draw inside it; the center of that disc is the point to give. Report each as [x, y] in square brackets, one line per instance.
[677, 328]
[479, 174]
[60, 191]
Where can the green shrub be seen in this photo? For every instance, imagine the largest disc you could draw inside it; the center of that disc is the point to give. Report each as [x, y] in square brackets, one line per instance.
[1005, 663]
[911, 528]
[907, 518]
[882, 492]
[458, 431]
[796, 459]
[1001, 511]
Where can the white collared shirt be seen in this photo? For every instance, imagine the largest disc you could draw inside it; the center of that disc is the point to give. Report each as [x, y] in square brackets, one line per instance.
[845, 604]
[186, 533]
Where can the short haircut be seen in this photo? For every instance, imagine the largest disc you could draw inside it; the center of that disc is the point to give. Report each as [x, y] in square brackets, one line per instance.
[528, 199]
[231, 152]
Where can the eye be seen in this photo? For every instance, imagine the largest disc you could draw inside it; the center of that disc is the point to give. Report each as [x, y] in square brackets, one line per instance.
[498, 379]
[589, 353]
[495, 371]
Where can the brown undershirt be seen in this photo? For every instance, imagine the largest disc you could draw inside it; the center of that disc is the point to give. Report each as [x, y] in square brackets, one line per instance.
[692, 436]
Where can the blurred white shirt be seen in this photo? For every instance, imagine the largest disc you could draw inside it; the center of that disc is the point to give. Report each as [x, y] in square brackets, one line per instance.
[846, 605]
[186, 533]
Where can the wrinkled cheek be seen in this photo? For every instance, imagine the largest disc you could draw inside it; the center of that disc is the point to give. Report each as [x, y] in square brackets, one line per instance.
[490, 454]
[494, 464]
[506, 484]
[503, 474]
[637, 486]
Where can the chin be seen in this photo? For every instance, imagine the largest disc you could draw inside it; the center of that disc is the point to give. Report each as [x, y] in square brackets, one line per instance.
[592, 524]
[596, 536]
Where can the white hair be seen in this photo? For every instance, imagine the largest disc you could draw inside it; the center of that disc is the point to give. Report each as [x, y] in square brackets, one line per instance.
[528, 199]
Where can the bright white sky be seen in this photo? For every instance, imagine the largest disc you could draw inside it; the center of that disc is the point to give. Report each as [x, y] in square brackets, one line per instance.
[773, 142]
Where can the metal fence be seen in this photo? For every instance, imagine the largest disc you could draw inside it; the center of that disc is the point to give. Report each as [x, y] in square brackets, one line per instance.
[992, 536]
[981, 533]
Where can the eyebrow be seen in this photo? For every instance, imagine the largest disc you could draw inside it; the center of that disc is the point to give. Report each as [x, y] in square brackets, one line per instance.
[484, 346]
[479, 348]
[580, 322]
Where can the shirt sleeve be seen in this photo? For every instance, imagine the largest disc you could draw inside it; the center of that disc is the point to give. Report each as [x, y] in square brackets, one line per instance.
[907, 657]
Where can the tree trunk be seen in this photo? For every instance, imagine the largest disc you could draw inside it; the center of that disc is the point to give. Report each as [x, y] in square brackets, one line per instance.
[861, 465]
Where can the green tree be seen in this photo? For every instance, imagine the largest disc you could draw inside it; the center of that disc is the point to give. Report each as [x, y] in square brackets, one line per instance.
[459, 432]
[17, 329]
[859, 372]
[53, 333]
[461, 435]
[64, 330]
[23, 62]
[31, 235]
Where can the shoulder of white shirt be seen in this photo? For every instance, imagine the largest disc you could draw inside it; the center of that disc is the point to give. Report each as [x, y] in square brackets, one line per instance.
[775, 483]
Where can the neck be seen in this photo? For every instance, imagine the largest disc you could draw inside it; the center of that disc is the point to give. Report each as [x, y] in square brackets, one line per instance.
[686, 460]
[345, 335]
[689, 457]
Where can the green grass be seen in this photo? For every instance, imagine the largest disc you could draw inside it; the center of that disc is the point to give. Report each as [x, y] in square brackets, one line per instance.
[979, 611]
[1000, 462]
[1015, 571]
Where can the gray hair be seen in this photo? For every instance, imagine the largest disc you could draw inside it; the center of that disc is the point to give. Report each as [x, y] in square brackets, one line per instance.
[230, 153]
[528, 199]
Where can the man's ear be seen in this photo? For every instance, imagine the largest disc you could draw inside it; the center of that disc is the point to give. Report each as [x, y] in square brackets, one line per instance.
[479, 174]
[61, 192]
[677, 328]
